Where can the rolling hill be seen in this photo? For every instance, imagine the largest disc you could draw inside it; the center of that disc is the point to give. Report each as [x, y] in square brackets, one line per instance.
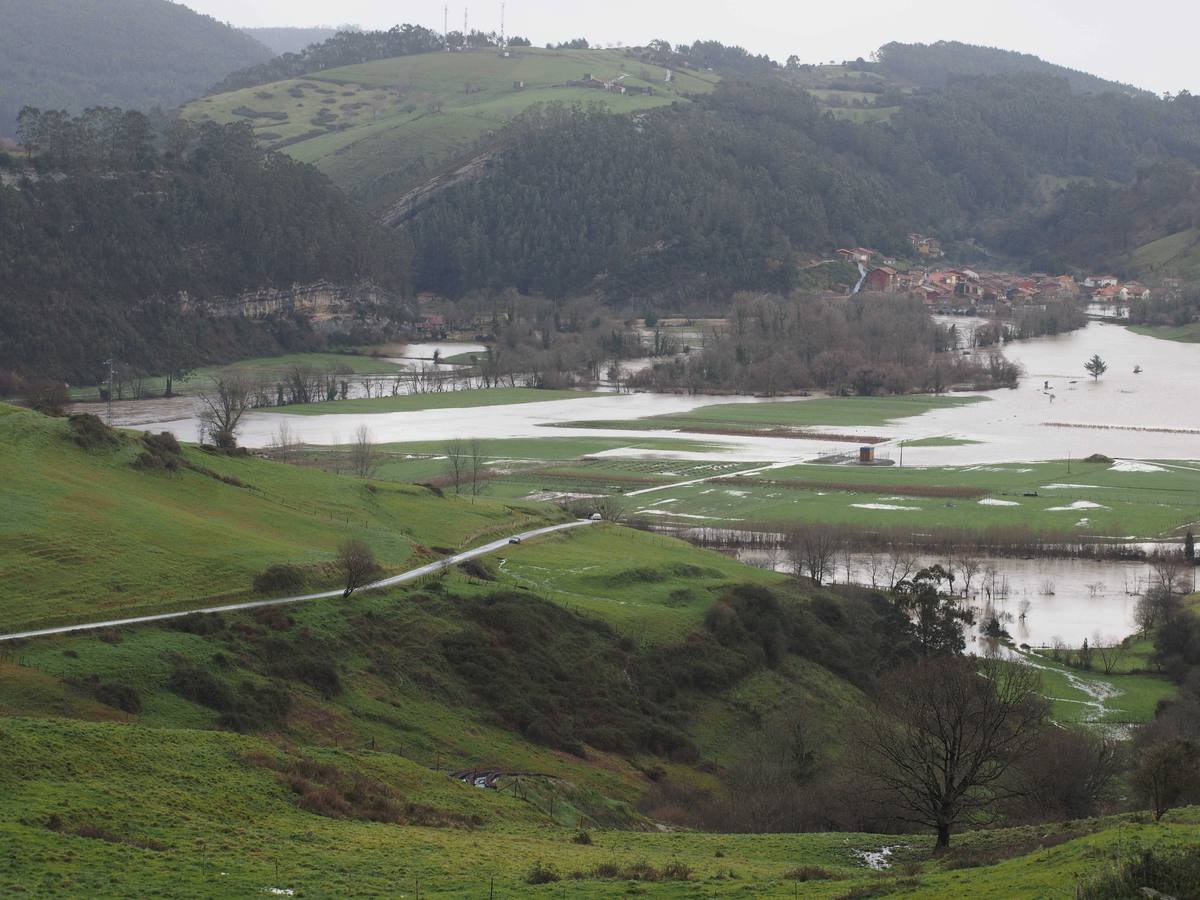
[378, 128]
[136, 54]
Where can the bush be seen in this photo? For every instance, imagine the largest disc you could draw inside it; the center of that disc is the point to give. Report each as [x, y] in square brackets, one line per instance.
[809, 873]
[119, 696]
[88, 432]
[199, 623]
[542, 874]
[47, 396]
[201, 686]
[279, 578]
[582, 837]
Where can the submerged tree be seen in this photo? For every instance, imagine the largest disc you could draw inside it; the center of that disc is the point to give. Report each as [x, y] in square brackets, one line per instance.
[1096, 366]
[938, 618]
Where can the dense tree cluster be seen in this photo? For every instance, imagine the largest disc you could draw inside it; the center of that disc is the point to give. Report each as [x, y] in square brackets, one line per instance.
[701, 201]
[74, 54]
[871, 344]
[111, 222]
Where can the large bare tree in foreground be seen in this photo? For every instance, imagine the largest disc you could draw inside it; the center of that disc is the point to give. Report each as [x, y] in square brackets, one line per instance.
[944, 733]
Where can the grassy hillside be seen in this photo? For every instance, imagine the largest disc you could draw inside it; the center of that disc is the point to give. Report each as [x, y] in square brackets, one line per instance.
[1175, 255]
[375, 128]
[85, 534]
[100, 809]
[137, 54]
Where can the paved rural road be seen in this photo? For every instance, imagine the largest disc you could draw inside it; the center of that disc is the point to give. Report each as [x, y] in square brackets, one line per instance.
[402, 578]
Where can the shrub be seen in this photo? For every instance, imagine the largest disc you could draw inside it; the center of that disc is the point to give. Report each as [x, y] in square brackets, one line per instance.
[198, 623]
[582, 837]
[201, 686]
[809, 873]
[88, 432]
[47, 396]
[542, 873]
[119, 696]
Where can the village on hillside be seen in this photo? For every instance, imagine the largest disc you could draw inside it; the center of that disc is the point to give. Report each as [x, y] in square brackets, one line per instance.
[963, 290]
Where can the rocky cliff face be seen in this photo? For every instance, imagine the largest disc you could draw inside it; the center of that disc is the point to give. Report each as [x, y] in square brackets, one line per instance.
[325, 305]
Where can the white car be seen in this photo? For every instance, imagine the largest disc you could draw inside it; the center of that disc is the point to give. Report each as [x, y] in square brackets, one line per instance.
[595, 517]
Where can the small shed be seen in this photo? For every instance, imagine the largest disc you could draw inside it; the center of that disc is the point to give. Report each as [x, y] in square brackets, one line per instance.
[866, 455]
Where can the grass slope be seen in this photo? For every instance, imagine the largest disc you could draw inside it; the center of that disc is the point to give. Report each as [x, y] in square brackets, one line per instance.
[83, 534]
[1187, 334]
[131, 817]
[376, 127]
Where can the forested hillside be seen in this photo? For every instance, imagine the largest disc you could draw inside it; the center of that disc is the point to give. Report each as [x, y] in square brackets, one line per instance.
[138, 54]
[114, 240]
[932, 65]
[733, 190]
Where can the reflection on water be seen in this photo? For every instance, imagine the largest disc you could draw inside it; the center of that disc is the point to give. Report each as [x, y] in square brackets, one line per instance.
[1038, 600]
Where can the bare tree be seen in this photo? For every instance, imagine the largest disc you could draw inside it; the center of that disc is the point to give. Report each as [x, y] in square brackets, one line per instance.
[1168, 570]
[476, 467]
[944, 733]
[1110, 650]
[456, 463]
[363, 456]
[283, 444]
[222, 406]
[357, 562]
[967, 568]
[902, 562]
[611, 508]
[813, 549]
[1167, 774]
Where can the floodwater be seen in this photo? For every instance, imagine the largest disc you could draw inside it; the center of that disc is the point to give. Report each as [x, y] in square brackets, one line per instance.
[1061, 599]
[1056, 411]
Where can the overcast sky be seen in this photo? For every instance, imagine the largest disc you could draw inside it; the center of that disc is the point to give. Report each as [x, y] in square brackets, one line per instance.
[1149, 43]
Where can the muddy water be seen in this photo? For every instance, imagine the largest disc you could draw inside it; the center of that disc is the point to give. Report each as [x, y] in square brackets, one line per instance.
[1066, 599]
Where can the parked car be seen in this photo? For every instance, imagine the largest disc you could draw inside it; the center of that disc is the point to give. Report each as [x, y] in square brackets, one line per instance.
[514, 540]
[596, 517]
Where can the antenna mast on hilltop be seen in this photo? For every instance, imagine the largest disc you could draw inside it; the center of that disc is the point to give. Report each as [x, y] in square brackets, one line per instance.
[446, 25]
[502, 24]
[466, 9]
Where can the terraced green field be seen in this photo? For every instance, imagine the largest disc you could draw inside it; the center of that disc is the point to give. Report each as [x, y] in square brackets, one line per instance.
[375, 127]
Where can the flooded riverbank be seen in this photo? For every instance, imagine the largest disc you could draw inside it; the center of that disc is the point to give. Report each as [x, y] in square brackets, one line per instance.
[1038, 601]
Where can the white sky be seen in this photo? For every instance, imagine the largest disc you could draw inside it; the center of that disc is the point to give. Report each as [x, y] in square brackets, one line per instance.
[1150, 43]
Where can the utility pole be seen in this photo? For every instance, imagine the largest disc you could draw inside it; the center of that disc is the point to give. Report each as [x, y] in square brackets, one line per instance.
[502, 24]
[446, 25]
[108, 362]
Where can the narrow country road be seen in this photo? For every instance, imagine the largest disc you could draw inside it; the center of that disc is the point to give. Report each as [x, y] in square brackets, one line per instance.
[402, 578]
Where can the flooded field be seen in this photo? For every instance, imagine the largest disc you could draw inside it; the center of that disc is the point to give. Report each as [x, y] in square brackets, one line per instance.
[1056, 412]
[1039, 601]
